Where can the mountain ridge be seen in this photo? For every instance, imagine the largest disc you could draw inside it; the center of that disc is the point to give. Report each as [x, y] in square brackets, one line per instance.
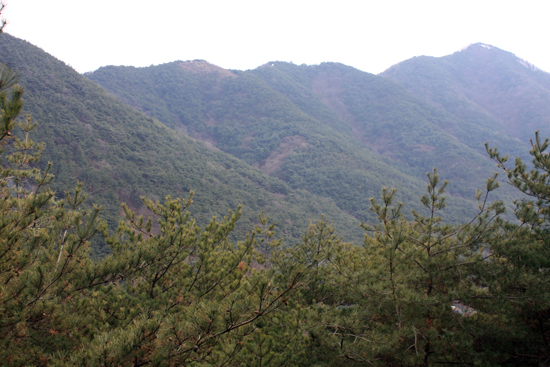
[120, 154]
[482, 84]
[275, 113]
[328, 137]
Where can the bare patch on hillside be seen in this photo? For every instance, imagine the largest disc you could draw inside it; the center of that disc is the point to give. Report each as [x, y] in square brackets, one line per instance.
[181, 128]
[425, 148]
[207, 140]
[279, 196]
[210, 144]
[103, 146]
[276, 158]
[204, 67]
[210, 122]
[101, 165]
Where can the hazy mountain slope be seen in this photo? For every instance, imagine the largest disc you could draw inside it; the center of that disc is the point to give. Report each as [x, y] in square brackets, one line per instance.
[121, 154]
[382, 115]
[348, 92]
[482, 85]
[299, 138]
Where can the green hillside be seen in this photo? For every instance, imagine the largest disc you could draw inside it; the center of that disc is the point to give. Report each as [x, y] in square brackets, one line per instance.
[304, 144]
[484, 86]
[120, 154]
[330, 129]
[383, 116]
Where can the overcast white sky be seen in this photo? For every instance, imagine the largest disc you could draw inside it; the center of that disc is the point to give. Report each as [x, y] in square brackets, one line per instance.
[243, 34]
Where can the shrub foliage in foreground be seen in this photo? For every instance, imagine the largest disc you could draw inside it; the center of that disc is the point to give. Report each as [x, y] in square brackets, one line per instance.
[172, 293]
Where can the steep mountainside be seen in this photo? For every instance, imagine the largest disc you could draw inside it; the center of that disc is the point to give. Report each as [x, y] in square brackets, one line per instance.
[331, 129]
[120, 154]
[482, 85]
[386, 118]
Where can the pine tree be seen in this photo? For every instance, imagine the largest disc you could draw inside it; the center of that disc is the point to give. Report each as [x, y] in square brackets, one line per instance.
[170, 293]
[517, 303]
[390, 301]
[43, 243]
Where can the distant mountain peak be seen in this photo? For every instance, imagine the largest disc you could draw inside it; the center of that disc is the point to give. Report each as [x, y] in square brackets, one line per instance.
[523, 62]
[483, 84]
[204, 67]
[479, 44]
[488, 47]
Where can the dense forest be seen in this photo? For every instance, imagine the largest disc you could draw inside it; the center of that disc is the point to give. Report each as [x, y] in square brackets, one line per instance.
[434, 273]
[120, 155]
[329, 129]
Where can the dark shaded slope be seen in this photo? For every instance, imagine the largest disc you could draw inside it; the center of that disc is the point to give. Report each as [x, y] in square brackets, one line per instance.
[482, 85]
[121, 154]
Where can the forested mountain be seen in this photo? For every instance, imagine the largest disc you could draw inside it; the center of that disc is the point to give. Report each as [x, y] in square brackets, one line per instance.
[176, 290]
[382, 116]
[120, 154]
[482, 85]
[331, 129]
[326, 137]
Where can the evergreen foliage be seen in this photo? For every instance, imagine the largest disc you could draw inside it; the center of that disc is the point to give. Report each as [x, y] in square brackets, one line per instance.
[170, 291]
[329, 129]
[413, 135]
[424, 293]
[173, 296]
[517, 276]
[389, 302]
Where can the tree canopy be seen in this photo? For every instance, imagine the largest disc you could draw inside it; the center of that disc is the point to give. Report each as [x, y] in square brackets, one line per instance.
[417, 292]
